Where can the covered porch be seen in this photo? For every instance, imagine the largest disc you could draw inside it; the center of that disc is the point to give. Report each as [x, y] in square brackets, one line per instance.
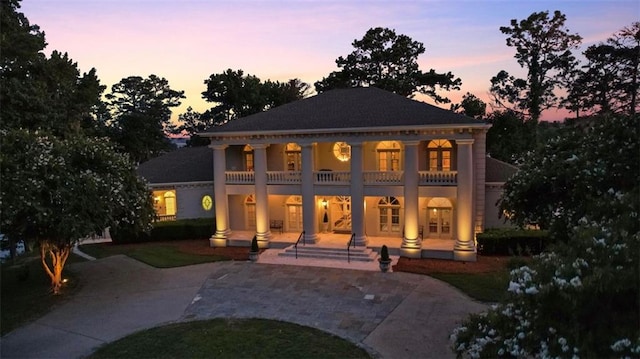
[431, 247]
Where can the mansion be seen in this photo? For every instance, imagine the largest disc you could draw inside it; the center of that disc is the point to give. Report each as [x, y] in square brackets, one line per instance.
[364, 162]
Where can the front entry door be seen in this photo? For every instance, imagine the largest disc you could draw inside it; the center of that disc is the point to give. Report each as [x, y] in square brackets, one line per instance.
[439, 222]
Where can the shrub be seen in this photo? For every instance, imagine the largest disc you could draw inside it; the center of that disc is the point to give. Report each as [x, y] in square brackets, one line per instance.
[384, 253]
[198, 228]
[512, 242]
[254, 245]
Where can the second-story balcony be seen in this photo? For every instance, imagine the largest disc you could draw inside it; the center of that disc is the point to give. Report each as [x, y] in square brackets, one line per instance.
[370, 178]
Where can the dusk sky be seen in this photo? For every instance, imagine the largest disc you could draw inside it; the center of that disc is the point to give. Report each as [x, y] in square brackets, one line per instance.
[187, 41]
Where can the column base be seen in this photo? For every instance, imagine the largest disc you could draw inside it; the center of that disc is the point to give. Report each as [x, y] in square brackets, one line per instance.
[220, 238]
[263, 239]
[312, 238]
[361, 241]
[411, 248]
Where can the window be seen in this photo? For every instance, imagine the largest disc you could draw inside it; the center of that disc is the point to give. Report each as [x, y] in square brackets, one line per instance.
[164, 203]
[250, 212]
[293, 156]
[439, 155]
[248, 158]
[388, 156]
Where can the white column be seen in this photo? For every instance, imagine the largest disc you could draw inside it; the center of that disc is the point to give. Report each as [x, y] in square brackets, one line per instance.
[263, 231]
[309, 219]
[357, 194]
[411, 242]
[464, 248]
[219, 239]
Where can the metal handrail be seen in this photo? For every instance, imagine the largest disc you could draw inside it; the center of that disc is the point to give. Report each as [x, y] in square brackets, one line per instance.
[301, 236]
[352, 239]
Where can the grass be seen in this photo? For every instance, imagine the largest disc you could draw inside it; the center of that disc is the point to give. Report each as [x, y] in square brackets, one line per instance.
[231, 338]
[155, 255]
[485, 287]
[25, 291]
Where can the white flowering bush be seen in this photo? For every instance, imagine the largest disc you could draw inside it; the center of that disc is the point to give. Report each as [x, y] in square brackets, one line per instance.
[57, 191]
[581, 298]
[558, 184]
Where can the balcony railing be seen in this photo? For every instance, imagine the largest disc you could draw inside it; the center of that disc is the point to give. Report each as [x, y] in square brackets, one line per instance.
[382, 178]
[438, 178]
[370, 178]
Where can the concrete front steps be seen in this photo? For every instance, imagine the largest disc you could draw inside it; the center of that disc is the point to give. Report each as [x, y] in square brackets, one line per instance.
[358, 254]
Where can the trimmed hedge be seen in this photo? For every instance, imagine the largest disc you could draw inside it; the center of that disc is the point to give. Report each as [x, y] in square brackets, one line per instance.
[198, 228]
[511, 242]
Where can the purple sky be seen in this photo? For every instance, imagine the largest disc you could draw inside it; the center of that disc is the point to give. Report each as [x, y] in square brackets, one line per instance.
[186, 41]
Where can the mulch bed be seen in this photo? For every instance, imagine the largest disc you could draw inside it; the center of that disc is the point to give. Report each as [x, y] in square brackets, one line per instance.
[484, 264]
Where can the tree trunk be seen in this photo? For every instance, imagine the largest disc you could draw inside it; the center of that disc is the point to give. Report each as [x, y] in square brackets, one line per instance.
[58, 254]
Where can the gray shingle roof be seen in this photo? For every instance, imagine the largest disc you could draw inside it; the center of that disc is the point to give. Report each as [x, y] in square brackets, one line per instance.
[363, 107]
[498, 171]
[188, 164]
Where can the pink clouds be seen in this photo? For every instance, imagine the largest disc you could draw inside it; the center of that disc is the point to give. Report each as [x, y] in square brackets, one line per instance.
[186, 41]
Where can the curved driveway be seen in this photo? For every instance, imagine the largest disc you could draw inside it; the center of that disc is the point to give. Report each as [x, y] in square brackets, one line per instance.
[393, 315]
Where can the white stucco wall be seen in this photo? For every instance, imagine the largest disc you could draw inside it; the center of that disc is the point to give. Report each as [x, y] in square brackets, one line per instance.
[189, 201]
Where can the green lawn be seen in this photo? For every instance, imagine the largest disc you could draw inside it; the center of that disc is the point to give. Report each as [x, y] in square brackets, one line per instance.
[485, 287]
[231, 338]
[155, 255]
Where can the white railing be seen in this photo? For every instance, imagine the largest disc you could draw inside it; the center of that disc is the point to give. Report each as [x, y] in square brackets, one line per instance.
[382, 178]
[240, 177]
[371, 178]
[438, 178]
[284, 177]
[332, 177]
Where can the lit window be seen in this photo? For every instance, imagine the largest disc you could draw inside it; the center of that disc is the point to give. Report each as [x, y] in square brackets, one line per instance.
[439, 155]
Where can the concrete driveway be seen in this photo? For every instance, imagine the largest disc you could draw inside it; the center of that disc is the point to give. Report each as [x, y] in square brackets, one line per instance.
[393, 315]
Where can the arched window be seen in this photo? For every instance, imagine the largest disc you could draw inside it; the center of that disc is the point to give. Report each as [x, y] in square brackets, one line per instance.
[250, 211]
[248, 158]
[389, 215]
[439, 152]
[293, 156]
[388, 156]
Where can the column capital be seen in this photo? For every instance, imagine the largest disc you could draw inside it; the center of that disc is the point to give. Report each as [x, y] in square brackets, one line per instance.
[221, 146]
[356, 143]
[465, 141]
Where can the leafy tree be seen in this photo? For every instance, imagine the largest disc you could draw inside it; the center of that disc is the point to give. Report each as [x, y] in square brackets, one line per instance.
[238, 95]
[39, 92]
[193, 122]
[580, 299]
[471, 106]
[388, 61]
[509, 137]
[142, 115]
[558, 183]
[57, 191]
[543, 46]
[609, 80]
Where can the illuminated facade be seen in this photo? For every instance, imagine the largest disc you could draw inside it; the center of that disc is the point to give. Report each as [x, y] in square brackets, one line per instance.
[370, 162]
